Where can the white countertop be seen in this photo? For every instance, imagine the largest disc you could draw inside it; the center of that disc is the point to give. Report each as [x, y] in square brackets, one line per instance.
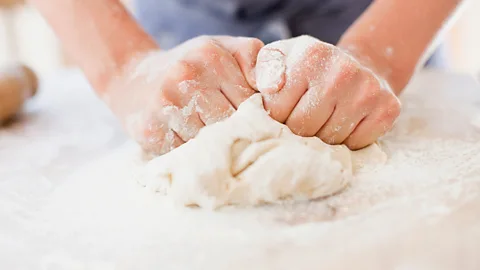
[65, 128]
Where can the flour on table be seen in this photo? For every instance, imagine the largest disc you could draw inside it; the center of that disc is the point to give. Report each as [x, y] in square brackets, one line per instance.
[250, 159]
[419, 210]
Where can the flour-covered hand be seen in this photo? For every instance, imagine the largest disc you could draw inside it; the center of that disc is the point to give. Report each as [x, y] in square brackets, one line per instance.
[317, 89]
[165, 97]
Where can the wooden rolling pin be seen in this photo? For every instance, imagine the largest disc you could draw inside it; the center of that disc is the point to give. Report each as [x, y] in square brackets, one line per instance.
[17, 84]
[10, 3]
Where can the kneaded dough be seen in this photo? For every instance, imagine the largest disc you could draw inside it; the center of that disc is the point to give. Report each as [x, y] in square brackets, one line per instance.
[249, 159]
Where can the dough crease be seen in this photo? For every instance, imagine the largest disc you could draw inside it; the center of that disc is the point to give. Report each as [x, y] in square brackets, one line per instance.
[249, 159]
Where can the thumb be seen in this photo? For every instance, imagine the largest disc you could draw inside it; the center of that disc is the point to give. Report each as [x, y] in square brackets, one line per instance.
[271, 68]
[245, 51]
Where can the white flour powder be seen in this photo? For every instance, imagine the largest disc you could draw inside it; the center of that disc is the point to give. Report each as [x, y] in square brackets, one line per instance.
[421, 210]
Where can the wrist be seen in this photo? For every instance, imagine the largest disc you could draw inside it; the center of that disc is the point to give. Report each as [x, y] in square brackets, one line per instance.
[396, 75]
[128, 89]
[123, 59]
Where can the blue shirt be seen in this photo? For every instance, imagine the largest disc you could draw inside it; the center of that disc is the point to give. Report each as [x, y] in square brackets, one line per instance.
[174, 21]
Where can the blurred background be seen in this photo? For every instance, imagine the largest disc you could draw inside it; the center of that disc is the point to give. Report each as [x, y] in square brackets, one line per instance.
[26, 38]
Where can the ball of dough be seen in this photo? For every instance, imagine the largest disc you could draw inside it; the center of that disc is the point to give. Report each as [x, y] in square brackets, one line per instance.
[249, 159]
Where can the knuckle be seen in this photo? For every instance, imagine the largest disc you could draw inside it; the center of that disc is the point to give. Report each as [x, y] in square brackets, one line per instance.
[202, 39]
[183, 70]
[247, 50]
[150, 134]
[341, 73]
[351, 67]
[370, 92]
[255, 43]
[316, 53]
[384, 120]
[367, 98]
[384, 126]
[371, 83]
[314, 50]
[165, 97]
[330, 93]
[395, 106]
[198, 42]
[253, 50]
[347, 71]
[189, 87]
[363, 102]
[208, 48]
[392, 107]
[393, 114]
[209, 51]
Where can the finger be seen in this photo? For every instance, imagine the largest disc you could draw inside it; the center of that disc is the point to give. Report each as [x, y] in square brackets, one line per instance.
[179, 96]
[190, 89]
[340, 125]
[184, 120]
[245, 51]
[320, 101]
[223, 73]
[385, 108]
[179, 85]
[236, 90]
[153, 134]
[365, 134]
[305, 68]
[370, 129]
[213, 107]
[156, 146]
[312, 112]
[201, 105]
[354, 106]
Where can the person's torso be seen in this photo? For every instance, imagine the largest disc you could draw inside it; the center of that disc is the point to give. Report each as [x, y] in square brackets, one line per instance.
[174, 21]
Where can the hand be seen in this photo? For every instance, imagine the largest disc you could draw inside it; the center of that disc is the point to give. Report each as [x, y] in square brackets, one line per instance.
[165, 98]
[317, 89]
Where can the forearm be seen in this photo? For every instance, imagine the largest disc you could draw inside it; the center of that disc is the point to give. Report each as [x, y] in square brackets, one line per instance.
[396, 34]
[99, 35]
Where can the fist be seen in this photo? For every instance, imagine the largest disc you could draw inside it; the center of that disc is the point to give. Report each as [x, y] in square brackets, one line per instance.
[317, 89]
[165, 98]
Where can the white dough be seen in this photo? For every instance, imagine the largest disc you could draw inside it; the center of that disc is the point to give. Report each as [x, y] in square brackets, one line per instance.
[249, 159]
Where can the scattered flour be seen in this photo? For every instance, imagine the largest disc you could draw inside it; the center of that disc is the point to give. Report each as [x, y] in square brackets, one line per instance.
[476, 121]
[419, 210]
